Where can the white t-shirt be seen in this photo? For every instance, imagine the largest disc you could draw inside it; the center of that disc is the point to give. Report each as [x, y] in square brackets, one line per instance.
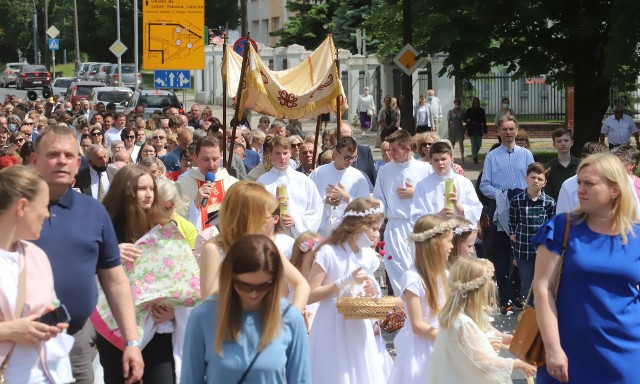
[24, 366]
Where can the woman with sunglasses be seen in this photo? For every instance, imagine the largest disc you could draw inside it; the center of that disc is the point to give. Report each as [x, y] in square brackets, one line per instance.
[255, 217]
[98, 136]
[248, 333]
[18, 139]
[128, 136]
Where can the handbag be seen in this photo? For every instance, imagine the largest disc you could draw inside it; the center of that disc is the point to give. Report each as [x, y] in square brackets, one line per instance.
[527, 342]
[370, 112]
[395, 320]
[22, 289]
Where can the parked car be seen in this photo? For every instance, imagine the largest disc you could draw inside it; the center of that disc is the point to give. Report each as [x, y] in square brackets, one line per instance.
[61, 84]
[9, 73]
[84, 68]
[153, 100]
[117, 95]
[80, 90]
[33, 76]
[101, 75]
[93, 69]
[128, 76]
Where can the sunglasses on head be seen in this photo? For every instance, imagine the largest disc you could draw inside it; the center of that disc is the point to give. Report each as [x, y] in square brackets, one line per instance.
[248, 288]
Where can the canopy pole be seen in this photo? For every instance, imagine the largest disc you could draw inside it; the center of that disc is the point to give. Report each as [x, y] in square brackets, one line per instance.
[338, 99]
[315, 141]
[224, 97]
[235, 121]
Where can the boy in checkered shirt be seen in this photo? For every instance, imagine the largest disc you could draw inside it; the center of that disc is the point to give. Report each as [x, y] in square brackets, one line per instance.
[528, 211]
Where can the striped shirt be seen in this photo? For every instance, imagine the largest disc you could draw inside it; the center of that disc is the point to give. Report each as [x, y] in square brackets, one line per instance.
[526, 216]
[505, 169]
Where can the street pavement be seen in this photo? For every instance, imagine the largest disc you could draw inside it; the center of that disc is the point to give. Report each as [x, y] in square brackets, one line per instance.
[504, 323]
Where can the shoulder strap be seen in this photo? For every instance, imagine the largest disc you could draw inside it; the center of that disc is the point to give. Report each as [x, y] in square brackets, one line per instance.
[253, 361]
[565, 242]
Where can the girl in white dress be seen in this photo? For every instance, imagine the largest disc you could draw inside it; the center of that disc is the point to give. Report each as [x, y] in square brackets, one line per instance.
[344, 351]
[462, 352]
[303, 256]
[424, 291]
[464, 239]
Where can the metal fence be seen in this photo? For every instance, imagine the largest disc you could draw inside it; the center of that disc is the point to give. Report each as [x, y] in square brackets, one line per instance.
[529, 100]
[630, 100]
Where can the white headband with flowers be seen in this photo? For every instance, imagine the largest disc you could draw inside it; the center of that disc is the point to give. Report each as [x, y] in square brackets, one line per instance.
[438, 229]
[368, 212]
[465, 228]
[463, 288]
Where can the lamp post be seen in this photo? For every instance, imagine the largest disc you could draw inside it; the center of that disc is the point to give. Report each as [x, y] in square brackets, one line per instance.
[36, 59]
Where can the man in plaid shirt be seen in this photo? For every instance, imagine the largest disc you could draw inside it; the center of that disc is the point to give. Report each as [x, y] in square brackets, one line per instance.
[528, 211]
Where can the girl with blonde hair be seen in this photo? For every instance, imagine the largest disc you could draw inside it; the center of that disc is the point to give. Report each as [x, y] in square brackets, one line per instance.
[247, 333]
[463, 352]
[258, 207]
[424, 291]
[345, 351]
[464, 239]
[303, 256]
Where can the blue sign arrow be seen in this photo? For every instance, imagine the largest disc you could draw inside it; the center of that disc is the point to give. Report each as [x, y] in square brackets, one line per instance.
[175, 78]
[54, 44]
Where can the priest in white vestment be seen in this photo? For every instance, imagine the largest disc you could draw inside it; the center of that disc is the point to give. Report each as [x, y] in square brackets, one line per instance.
[394, 189]
[301, 197]
[338, 183]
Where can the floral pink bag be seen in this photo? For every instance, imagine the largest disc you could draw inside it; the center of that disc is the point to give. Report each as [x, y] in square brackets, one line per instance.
[166, 273]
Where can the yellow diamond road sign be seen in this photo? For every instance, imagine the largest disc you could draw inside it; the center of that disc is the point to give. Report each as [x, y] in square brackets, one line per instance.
[118, 48]
[53, 32]
[173, 34]
[408, 59]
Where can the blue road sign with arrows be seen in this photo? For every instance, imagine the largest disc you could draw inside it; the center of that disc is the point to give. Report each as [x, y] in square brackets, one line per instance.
[54, 44]
[175, 78]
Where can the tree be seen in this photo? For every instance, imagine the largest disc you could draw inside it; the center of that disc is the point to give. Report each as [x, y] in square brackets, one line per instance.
[584, 43]
[309, 24]
[348, 17]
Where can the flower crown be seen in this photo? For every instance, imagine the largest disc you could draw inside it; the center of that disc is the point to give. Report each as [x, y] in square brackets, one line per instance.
[368, 212]
[472, 285]
[309, 245]
[438, 229]
[465, 228]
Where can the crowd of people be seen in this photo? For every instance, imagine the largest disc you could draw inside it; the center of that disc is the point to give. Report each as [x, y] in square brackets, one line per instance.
[277, 235]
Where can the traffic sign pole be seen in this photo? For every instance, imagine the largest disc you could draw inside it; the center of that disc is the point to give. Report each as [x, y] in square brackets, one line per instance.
[53, 56]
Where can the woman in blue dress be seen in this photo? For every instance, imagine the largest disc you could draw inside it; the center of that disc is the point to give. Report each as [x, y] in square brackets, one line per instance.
[591, 333]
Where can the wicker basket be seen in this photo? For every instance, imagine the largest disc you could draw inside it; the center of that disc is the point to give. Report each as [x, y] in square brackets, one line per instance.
[365, 307]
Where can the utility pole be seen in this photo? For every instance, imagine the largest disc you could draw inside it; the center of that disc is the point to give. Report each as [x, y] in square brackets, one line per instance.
[46, 28]
[135, 42]
[118, 27]
[36, 58]
[75, 30]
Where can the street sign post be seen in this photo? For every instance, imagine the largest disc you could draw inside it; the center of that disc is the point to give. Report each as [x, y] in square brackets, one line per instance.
[238, 46]
[54, 45]
[174, 79]
[408, 59]
[173, 34]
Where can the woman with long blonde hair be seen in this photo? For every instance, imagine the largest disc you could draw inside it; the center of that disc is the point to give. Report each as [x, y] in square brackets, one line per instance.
[424, 291]
[247, 333]
[463, 352]
[257, 209]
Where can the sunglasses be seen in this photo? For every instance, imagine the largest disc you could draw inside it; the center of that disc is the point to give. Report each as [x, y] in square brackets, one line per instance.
[427, 144]
[19, 140]
[248, 288]
[131, 137]
[96, 134]
[158, 137]
[296, 145]
[28, 123]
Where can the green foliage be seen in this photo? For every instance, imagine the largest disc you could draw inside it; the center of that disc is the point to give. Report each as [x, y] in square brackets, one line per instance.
[348, 17]
[311, 25]
[384, 27]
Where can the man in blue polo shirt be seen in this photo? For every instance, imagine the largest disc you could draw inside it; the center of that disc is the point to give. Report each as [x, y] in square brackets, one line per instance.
[504, 172]
[80, 242]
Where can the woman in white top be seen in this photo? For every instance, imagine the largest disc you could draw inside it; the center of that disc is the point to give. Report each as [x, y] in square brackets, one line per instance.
[366, 108]
[423, 116]
[463, 352]
[26, 280]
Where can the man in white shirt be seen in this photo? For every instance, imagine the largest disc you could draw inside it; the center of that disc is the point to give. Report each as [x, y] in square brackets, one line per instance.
[618, 129]
[302, 198]
[436, 108]
[114, 133]
[395, 187]
[338, 183]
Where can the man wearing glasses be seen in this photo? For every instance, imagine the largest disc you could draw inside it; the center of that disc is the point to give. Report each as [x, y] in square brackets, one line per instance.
[618, 129]
[338, 183]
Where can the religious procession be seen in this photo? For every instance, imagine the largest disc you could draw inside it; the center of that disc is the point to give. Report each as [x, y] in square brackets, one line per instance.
[177, 247]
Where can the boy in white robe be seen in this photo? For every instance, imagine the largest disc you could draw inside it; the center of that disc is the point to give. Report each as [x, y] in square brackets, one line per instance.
[338, 183]
[429, 197]
[394, 189]
[303, 200]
